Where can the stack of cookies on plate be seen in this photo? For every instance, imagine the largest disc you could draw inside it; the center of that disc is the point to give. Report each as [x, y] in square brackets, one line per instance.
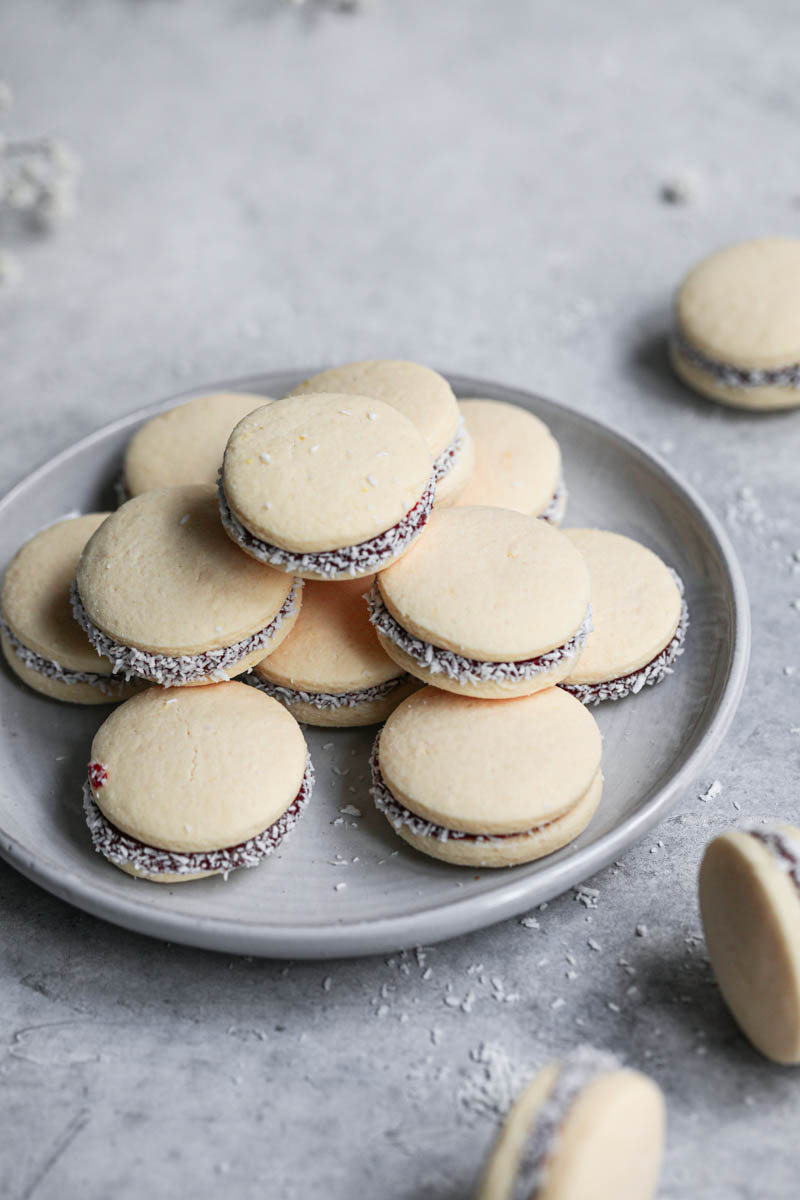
[365, 549]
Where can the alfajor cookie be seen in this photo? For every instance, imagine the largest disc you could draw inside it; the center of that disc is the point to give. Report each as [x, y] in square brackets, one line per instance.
[737, 325]
[639, 615]
[750, 906]
[184, 445]
[326, 486]
[423, 396]
[517, 461]
[164, 594]
[585, 1128]
[331, 669]
[488, 603]
[41, 642]
[481, 784]
[195, 782]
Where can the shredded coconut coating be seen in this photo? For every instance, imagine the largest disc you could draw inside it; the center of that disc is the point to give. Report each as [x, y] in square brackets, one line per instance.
[172, 670]
[398, 815]
[322, 700]
[363, 558]
[556, 507]
[653, 672]
[444, 464]
[470, 670]
[738, 377]
[783, 848]
[577, 1071]
[123, 850]
[49, 668]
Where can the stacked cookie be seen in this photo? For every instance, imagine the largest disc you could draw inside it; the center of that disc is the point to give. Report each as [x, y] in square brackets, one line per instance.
[363, 550]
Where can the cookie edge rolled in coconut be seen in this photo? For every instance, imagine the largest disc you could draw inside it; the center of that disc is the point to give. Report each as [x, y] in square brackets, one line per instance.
[150, 862]
[332, 564]
[181, 670]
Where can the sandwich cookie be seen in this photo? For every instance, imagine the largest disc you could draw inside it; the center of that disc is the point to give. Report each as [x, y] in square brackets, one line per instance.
[750, 905]
[489, 603]
[164, 595]
[331, 669]
[480, 784]
[326, 486]
[423, 396]
[517, 461]
[41, 642]
[639, 614]
[194, 783]
[585, 1128]
[184, 445]
[737, 325]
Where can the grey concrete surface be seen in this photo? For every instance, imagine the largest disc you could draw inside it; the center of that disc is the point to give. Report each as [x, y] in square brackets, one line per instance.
[475, 186]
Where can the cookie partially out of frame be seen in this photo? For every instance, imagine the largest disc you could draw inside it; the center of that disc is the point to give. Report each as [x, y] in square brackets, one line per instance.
[41, 641]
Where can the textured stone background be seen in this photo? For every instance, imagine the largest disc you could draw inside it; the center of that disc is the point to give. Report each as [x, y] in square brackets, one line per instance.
[476, 186]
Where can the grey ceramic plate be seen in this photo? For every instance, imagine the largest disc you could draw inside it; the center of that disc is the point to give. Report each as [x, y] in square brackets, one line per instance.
[655, 743]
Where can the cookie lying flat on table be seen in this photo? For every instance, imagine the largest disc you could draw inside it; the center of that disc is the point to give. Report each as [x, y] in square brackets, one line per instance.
[326, 486]
[517, 461]
[184, 445]
[195, 782]
[488, 603]
[639, 615]
[481, 784]
[420, 394]
[331, 669]
[585, 1128]
[750, 905]
[40, 640]
[165, 595]
[737, 336]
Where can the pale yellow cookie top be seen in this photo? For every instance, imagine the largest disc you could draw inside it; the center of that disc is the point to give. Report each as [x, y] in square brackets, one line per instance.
[319, 472]
[517, 459]
[35, 600]
[198, 768]
[161, 574]
[741, 305]
[636, 605]
[186, 444]
[488, 766]
[490, 584]
[333, 646]
[418, 392]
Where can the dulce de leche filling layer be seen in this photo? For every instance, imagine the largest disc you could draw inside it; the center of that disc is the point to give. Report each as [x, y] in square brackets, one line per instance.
[398, 815]
[172, 670]
[122, 849]
[438, 661]
[362, 558]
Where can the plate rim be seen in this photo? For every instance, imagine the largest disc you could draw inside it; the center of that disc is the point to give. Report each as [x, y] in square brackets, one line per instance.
[449, 918]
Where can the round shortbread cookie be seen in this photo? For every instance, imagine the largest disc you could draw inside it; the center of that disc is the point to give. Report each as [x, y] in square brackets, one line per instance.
[737, 335]
[750, 906]
[584, 1127]
[481, 768]
[419, 393]
[319, 474]
[195, 781]
[459, 463]
[331, 669]
[517, 460]
[186, 444]
[159, 580]
[637, 608]
[41, 642]
[489, 602]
